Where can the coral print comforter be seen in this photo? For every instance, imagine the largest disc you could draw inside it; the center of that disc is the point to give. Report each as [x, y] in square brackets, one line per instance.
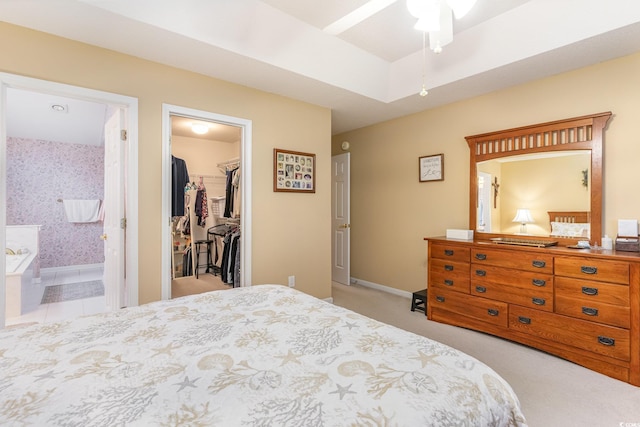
[266, 355]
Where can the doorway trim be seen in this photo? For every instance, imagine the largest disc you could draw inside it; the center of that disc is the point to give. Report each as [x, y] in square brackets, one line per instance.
[245, 126]
[130, 106]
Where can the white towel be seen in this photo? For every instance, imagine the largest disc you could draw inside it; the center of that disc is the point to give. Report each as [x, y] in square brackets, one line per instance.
[82, 210]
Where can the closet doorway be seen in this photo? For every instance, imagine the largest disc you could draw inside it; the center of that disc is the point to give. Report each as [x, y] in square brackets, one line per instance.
[206, 201]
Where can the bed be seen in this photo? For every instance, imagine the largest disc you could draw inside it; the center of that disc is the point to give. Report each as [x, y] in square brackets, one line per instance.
[266, 355]
[576, 224]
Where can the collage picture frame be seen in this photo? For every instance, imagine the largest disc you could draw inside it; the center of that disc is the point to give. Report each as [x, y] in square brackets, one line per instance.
[294, 171]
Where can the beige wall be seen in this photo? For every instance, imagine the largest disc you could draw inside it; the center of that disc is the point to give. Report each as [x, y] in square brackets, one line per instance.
[202, 156]
[392, 212]
[291, 232]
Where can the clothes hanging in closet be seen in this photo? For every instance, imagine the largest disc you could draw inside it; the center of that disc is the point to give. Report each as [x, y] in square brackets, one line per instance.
[230, 259]
[187, 266]
[231, 188]
[201, 209]
[179, 178]
[226, 239]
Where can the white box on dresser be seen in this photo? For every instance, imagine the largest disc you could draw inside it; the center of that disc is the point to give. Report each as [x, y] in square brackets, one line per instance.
[454, 233]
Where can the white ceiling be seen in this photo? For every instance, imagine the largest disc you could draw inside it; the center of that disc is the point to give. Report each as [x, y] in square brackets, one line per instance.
[369, 73]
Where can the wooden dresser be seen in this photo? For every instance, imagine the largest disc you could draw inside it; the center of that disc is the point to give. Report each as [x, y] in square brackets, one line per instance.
[581, 305]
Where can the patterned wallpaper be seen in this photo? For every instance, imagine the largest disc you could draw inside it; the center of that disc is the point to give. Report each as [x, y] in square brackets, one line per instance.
[41, 172]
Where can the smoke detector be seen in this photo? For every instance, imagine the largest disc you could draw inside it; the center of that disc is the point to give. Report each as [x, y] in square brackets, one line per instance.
[59, 108]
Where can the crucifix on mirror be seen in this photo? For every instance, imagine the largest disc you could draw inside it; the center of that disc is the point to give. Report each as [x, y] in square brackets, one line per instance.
[495, 186]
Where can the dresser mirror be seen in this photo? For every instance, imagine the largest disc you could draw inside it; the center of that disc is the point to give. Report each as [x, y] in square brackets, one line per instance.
[543, 181]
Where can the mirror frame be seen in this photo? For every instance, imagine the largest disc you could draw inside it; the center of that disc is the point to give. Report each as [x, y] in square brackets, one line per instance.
[578, 133]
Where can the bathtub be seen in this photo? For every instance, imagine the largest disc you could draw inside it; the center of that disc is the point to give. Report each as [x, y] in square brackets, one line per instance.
[14, 262]
[21, 294]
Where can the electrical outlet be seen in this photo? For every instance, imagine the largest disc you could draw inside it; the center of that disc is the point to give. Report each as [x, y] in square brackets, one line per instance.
[292, 281]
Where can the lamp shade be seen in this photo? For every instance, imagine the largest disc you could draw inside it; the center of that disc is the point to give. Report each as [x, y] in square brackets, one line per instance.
[523, 216]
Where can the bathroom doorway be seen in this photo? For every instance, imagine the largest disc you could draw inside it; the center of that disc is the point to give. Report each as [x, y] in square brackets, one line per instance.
[76, 255]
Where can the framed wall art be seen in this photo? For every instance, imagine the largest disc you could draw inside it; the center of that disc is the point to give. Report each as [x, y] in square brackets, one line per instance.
[294, 171]
[431, 168]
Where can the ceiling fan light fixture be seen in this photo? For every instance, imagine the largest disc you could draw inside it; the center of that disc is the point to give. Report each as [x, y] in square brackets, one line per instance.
[461, 7]
[423, 8]
[436, 18]
[428, 23]
[199, 128]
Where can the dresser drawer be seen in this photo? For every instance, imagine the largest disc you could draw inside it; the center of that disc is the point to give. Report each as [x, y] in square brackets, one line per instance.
[450, 275]
[593, 292]
[602, 339]
[494, 312]
[449, 252]
[594, 311]
[524, 288]
[522, 279]
[528, 261]
[593, 269]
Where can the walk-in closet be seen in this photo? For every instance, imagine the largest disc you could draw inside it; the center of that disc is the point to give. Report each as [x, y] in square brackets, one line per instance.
[205, 205]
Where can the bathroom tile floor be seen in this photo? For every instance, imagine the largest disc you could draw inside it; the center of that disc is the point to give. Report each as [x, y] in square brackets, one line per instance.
[53, 312]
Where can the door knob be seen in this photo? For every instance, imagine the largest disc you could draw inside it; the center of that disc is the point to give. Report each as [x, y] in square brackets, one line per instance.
[344, 226]
[103, 237]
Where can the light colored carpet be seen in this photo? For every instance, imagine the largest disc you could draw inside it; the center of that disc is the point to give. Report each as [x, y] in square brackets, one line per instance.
[552, 391]
[72, 291]
[189, 285]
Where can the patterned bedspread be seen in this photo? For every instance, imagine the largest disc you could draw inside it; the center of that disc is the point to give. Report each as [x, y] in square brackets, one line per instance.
[261, 356]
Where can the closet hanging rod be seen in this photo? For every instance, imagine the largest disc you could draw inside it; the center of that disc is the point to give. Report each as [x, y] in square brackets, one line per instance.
[193, 176]
[230, 162]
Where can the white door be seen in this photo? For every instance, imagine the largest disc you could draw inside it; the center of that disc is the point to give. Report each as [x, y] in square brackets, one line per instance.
[483, 214]
[340, 219]
[113, 234]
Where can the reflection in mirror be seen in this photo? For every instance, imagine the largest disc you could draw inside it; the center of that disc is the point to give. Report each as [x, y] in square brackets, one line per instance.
[539, 183]
[545, 186]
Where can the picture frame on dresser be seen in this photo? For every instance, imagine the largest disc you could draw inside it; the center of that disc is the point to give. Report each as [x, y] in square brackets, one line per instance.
[431, 168]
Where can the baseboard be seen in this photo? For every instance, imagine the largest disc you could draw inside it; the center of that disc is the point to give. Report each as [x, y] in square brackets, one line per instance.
[329, 300]
[404, 294]
[71, 268]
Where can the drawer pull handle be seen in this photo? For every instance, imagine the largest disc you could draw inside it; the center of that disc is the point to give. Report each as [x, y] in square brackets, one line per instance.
[481, 257]
[538, 264]
[481, 273]
[524, 320]
[588, 270]
[448, 282]
[589, 291]
[439, 298]
[539, 282]
[448, 252]
[606, 341]
[538, 301]
[590, 311]
[493, 312]
[481, 289]
[448, 267]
